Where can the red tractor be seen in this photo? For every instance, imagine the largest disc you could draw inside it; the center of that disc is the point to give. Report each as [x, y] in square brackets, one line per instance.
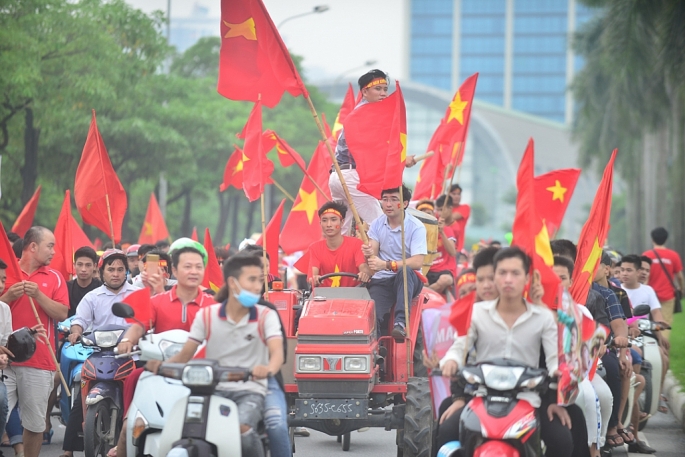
[342, 374]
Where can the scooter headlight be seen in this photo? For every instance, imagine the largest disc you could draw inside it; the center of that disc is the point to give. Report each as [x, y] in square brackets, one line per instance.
[197, 376]
[501, 378]
[645, 325]
[169, 348]
[471, 377]
[107, 339]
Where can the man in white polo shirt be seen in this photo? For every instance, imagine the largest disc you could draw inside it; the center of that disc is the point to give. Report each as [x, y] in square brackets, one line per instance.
[639, 294]
[239, 332]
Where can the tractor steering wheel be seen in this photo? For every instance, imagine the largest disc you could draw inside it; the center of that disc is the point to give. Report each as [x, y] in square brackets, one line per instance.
[338, 273]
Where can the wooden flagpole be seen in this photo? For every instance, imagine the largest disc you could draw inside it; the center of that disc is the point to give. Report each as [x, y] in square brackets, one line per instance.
[266, 270]
[285, 192]
[111, 225]
[406, 288]
[52, 352]
[357, 219]
[424, 156]
[461, 148]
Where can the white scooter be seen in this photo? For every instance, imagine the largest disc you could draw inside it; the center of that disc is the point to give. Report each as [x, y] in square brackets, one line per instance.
[652, 365]
[155, 396]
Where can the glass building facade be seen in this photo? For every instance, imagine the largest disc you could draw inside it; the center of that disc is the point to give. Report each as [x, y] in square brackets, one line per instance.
[519, 47]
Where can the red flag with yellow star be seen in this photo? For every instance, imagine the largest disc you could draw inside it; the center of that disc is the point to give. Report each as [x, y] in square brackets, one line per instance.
[25, 219]
[379, 151]
[233, 173]
[286, 154]
[593, 235]
[431, 176]
[346, 108]
[69, 236]
[273, 229]
[302, 226]
[456, 122]
[553, 192]
[530, 233]
[213, 278]
[99, 195]
[154, 227]
[257, 168]
[253, 61]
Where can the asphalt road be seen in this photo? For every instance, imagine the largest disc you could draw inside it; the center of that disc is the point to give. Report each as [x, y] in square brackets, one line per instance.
[663, 433]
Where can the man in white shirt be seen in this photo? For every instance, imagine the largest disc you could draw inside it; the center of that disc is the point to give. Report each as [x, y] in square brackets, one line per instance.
[639, 294]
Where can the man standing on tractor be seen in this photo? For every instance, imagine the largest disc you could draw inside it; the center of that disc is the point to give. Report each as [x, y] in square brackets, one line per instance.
[384, 253]
[336, 252]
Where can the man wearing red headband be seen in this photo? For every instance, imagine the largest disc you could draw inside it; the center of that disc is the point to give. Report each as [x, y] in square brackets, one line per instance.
[374, 88]
[336, 252]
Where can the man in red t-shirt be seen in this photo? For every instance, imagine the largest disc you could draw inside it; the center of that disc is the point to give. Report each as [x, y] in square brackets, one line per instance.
[441, 274]
[460, 216]
[665, 284]
[336, 252]
[48, 290]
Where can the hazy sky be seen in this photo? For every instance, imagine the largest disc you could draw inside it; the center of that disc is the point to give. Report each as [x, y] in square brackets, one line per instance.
[341, 39]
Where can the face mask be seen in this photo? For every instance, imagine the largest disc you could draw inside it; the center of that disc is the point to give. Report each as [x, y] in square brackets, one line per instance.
[246, 298]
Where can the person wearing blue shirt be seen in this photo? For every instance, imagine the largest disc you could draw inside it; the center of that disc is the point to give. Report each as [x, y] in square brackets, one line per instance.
[384, 253]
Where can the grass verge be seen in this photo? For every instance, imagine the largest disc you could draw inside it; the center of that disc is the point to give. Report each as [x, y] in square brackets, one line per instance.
[677, 355]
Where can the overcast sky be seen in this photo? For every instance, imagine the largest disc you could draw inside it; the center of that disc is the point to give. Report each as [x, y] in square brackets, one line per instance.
[337, 41]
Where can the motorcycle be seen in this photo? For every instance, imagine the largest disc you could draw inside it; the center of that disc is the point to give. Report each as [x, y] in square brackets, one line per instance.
[652, 365]
[103, 377]
[495, 422]
[155, 396]
[71, 361]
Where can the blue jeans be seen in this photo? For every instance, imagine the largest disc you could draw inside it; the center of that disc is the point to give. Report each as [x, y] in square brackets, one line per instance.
[276, 421]
[4, 407]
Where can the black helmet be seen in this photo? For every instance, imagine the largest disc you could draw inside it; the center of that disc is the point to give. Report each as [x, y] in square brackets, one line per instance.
[22, 343]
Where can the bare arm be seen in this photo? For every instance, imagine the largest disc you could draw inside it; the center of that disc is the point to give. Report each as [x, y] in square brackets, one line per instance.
[448, 244]
[52, 308]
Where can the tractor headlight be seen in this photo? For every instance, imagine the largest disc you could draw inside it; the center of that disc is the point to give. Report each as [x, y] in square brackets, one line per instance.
[197, 376]
[309, 363]
[501, 378]
[356, 364]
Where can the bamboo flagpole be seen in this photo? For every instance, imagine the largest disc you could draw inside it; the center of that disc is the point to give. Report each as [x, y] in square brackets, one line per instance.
[65, 386]
[451, 166]
[266, 270]
[285, 192]
[111, 225]
[406, 288]
[424, 156]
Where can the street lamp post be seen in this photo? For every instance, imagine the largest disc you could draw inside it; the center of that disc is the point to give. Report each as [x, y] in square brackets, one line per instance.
[317, 9]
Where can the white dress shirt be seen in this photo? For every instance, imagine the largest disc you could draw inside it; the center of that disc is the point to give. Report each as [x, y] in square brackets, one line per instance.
[95, 309]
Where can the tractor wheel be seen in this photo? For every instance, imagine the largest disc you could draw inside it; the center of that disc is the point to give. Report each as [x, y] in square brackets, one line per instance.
[420, 370]
[418, 420]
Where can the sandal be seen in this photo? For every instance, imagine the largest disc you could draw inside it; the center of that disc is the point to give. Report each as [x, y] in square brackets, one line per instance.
[47, 437]
[626, 433]
[613, 440]
[663, 405]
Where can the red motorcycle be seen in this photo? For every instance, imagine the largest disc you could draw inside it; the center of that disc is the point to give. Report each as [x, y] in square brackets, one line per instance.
[495, 423]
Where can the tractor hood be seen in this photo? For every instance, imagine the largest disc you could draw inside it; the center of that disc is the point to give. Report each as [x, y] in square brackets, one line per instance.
[339, 311]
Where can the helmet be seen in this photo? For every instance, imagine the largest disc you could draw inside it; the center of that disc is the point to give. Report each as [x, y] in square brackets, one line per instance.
[22, 343]
[182, 243]
[111, 255]
[245, 243]
[132, 250]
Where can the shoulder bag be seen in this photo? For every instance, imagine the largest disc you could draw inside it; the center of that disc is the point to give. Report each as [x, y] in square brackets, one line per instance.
[677, 306]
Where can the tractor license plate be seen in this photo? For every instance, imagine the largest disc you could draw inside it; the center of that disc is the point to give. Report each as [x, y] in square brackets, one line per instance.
[331, 409]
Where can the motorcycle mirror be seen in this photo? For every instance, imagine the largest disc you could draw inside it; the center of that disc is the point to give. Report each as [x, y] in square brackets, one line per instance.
[642, 310]
[122, 310]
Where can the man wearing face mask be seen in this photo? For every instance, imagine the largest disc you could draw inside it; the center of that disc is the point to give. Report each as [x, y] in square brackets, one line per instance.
[239, 332]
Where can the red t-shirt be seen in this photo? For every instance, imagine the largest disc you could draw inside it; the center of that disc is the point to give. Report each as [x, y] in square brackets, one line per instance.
[443, 261]
[167, 311]
[348, 257]
[658, 279]
[53, 285]
[459, 226]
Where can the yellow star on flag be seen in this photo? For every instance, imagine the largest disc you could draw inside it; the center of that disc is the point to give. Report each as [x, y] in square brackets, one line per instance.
[308, 203]
[239, 166]
[542, 246]
[457, 107]
[335, 282]
[245, 29]
[214, 287]
[592, 260]
[148, 228]
[558, 191]
[403, 142]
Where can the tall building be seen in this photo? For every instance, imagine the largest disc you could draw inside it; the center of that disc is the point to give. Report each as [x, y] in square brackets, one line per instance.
[521, 49]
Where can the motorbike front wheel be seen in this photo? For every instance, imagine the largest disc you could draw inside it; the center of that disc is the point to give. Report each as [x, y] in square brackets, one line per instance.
[97, 427]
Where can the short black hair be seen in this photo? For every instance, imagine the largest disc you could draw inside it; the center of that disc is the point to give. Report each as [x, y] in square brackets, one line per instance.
[255, 248]
[513, 252]
[234, 264]
[659, 236]
[336, 205]
[144, 249]
[484, 257]
[86, 251]
[606, 259]
[3, 265]
[440, 202]
[369, 76]
[176, 255]
[454, 187]
[563, 261]
[34, 235]
[18, 247]
[632, 259]
[161, 244]
[406, 193]
[564, 248]
[644, 258]
[13, 237]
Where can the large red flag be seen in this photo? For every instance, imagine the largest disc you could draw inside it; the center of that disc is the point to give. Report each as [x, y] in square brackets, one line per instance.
[460, 314]
[213, 278]
[456, 122]
[25, 219]
[273, 229]
[378, 151]
[233, 173]
[286, 154]
[99, 195]
[346, 108]
[69, 237]
[257, 168]
[7, 255]
[154, 227]
[253, 61]
[593, 236]
[553, 192]
[302, 226]
[530, 233]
